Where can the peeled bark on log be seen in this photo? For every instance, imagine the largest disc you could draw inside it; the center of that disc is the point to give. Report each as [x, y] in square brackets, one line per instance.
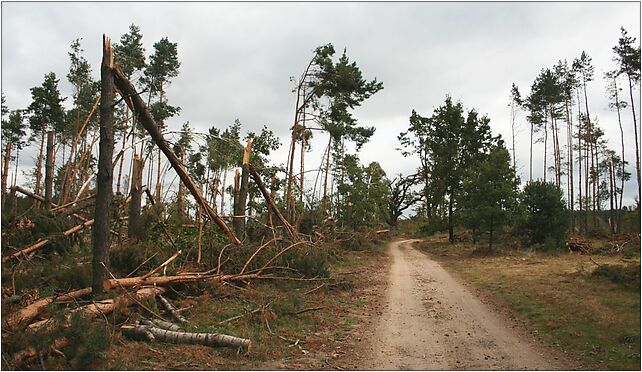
[43, 242]
[171, 309]
[132, 98]
[49, 170]
[270, 201]
[208, 339]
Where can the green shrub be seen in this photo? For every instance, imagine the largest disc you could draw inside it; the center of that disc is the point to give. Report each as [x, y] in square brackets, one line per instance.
[625, 275]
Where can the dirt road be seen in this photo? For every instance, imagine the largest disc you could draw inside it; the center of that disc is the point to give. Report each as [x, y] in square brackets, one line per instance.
[431, 321]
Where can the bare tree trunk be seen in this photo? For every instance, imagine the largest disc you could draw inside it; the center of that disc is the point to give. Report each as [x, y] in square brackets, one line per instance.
[180, 199]
[303, 143]
[40, 159]
[122, 159]
[239, 208]
[530, 168]
[199, 221]
[136, 197]
[635, 131]
[619, 120]
[569, 142]
[49, 170]
[5, 168]
[223, 191]
[324, 201]
[611, 192]
[159, 188]
[104, 180]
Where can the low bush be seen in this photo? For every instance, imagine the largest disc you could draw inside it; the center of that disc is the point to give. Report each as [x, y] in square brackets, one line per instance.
[625, 275]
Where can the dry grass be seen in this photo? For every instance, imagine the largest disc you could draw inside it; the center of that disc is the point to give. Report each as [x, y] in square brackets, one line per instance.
[591, 318]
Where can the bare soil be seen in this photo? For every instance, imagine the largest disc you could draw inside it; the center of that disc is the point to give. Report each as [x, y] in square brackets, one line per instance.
[427, 320]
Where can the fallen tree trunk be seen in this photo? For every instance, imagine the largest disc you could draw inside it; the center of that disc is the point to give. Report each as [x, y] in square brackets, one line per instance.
[208, 339]
[95, 310]
[135, 102]
[43, 242]
[30, 312]
[270, 202]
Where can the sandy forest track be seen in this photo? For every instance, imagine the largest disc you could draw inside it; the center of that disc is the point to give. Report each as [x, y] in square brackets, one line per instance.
[430, 321]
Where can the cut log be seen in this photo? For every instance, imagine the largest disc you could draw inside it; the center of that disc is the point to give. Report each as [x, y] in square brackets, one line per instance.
[135, 102]
[208, 339]
[271, 204]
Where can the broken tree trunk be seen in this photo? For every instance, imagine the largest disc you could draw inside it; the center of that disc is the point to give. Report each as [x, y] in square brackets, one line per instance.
[49, 170]
[208, 339]
[105, 177]
[43, 242]
[239, 207]
[137, 195]
[270, 201]
[132, 98]
[235, 208]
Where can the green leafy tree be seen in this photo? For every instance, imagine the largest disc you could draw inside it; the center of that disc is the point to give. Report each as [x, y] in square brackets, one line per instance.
[45, 113]
[547, 216]
[451, 143]
[401, 196]
[328, 92]
[364, 192]
[489, 194]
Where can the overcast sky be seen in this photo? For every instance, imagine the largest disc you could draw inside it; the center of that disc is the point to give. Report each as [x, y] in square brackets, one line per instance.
[236, 59]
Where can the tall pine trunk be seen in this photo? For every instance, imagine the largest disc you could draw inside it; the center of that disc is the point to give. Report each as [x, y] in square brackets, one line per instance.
[635, 131]
[324, 201]
[104, 180]
[5, 168]
[49, 170]
[40, 159]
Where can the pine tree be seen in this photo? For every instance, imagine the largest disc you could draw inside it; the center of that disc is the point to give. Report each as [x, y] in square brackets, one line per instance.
[628, 58]
[13, 132]
[162, 67]
[46, 113]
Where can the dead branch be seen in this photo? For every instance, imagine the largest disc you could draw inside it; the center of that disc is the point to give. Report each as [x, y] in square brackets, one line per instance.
[310, 309]
[314, 289]
[254, 255]
[258, 309]
[171, 310]
[164, 264]
[43, 242]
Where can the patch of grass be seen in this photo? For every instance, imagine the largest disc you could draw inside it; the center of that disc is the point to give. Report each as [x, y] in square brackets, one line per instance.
[565, 298]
